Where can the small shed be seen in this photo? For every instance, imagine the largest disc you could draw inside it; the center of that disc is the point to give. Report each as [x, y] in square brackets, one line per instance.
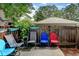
[67, 30]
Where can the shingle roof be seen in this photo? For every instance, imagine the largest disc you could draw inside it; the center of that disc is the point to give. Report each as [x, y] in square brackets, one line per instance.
[58, 21]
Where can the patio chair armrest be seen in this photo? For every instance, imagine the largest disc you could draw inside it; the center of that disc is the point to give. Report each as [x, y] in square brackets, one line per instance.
[1, 52]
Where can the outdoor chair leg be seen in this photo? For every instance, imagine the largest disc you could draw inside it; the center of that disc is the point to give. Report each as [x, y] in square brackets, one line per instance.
[17, 53]
[58, 45]
[75, 46]
[27, 45]
[35, 45]
[40, 45]
[48, 44]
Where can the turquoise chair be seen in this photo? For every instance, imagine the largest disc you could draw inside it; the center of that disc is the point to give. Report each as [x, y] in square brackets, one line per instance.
[5, 51]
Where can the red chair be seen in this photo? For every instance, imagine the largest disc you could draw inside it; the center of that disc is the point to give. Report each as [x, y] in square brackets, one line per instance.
[54, 39]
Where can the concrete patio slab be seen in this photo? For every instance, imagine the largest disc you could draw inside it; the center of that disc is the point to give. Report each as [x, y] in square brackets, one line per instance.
[42, 52]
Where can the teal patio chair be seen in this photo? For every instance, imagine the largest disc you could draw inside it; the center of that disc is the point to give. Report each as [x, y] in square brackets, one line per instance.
[5, 51]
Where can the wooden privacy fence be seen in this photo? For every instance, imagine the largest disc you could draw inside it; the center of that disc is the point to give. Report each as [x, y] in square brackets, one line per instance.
[68, 35]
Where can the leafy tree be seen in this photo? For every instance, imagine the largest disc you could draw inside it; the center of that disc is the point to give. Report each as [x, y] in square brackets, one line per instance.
[15, 11]
[58, 13]
[38, 16]
[77, 12]
[69, 11]
[45, 12]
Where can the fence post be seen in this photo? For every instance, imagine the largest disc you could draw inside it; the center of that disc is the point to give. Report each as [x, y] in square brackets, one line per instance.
[76, 37]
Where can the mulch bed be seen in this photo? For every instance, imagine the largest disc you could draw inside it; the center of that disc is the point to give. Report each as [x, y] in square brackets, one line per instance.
[70, 51]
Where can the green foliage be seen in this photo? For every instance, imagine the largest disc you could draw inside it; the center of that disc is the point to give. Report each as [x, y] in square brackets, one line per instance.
[45, 12]
[23, 25]
[38, 16]
[15, 10]
[70, 11]
[58, 13]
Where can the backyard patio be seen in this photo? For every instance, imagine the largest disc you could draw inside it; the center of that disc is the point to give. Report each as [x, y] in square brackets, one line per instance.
[51, 32]
[45, 38]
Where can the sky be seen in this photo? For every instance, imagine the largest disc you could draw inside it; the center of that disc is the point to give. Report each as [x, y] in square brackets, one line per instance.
[37, 5]
[59, 5]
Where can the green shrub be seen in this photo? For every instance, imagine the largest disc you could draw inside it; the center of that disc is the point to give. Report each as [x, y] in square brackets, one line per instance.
[23, 25]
